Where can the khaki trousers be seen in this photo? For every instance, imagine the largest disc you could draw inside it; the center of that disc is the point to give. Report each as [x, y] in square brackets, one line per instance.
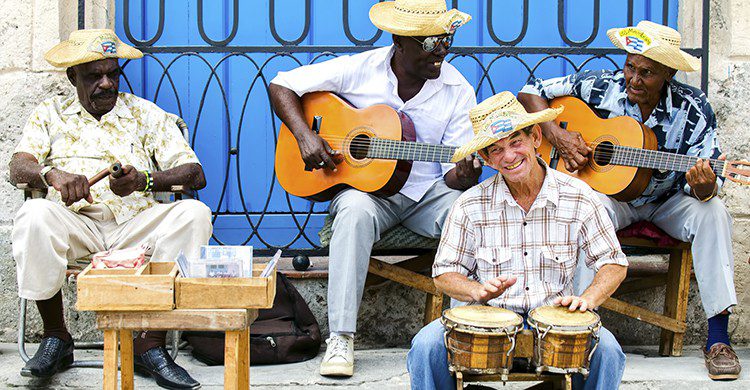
[47, 236]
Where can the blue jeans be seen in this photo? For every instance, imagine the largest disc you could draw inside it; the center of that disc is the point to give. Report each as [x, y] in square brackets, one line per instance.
[427, 362]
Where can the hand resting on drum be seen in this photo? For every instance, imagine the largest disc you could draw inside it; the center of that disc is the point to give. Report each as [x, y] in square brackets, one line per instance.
[573, 302]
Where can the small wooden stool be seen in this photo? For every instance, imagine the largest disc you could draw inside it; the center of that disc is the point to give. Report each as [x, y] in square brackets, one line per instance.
[120, 325]
[549, 381]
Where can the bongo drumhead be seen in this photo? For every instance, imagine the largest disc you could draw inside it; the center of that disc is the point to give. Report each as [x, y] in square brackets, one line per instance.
[483, 317]
[562, 318]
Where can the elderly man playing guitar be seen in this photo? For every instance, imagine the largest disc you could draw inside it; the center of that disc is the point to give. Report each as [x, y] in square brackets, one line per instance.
[412, 77]
[684, 206]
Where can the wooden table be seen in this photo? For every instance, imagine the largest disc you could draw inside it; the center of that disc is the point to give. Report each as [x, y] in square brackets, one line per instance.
[120, 325]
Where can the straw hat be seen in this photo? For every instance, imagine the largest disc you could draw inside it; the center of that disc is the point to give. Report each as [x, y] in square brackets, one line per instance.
[499, 117]
[655, 41]
[417, 17]
[89, 45]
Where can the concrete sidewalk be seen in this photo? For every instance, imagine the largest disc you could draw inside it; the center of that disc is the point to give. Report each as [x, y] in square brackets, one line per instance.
[381, 369]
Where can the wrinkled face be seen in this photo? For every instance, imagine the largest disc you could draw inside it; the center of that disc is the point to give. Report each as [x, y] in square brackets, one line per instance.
[97, 84]
[420, 63]
[644, 79]
[514, 157]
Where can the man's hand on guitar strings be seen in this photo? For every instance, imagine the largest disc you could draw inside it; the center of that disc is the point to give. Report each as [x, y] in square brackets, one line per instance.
[468, 170]
[316, 153]
[573, 149]
[701, 178]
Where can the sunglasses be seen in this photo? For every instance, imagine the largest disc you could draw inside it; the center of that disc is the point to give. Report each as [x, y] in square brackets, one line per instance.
[431, 43]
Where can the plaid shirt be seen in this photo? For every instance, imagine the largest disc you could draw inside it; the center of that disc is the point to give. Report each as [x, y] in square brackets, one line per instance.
[487, 234]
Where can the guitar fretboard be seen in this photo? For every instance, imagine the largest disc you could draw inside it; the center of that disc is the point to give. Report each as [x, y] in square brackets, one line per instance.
[654, 159]
[388, 149]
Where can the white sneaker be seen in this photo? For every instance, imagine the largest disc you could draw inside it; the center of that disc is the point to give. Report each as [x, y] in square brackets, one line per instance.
[339, 358]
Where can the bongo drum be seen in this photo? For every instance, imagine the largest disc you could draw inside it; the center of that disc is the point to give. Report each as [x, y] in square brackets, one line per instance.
[564, 341]
[481, 339]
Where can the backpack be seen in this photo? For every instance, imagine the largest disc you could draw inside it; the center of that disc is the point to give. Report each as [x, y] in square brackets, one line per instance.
[286, 333]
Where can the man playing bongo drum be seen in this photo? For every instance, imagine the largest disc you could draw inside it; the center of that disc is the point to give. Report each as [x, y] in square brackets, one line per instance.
[514, 240]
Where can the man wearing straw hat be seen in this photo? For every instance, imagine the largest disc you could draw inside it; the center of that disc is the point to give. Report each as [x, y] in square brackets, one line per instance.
[684, 206]
[513, 241]
[68, 139]
[412, 77]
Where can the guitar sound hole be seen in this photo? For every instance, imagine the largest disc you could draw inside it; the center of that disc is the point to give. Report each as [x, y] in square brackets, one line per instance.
[603, 153]
[359, 147]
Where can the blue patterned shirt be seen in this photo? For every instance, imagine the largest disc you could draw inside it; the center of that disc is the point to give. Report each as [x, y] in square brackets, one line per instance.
[682, 121]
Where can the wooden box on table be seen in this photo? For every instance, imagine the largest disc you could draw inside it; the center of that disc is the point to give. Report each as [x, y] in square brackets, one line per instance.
[149, 287]
[226, 293]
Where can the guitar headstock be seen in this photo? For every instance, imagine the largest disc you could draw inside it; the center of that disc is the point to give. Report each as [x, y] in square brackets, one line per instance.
[737, 171]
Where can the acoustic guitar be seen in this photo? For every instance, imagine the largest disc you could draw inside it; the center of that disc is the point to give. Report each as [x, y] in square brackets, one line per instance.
[377, 144]
[624, 153]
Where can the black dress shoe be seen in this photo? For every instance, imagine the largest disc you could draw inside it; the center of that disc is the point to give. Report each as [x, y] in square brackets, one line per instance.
[52, 356]
[157, 363]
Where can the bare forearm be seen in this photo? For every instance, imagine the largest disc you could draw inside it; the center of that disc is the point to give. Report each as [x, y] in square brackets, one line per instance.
[24, 168]
[457, 286]
[288, 107]
[188, 175]
[605, 283]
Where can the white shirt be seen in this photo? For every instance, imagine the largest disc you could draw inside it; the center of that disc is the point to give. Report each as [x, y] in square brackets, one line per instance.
[440, 111]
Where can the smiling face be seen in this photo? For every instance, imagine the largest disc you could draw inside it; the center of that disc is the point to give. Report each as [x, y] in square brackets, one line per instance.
[418, 63]
[97, 84]
[644, 79]
[514, 157]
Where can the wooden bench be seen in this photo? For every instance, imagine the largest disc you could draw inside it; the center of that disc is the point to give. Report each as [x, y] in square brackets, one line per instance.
[415, 272]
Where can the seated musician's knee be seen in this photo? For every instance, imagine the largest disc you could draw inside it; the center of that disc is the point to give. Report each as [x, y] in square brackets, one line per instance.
[36, 214]
[354, 207]
[609, 349]
[429, 341]
[194, 211]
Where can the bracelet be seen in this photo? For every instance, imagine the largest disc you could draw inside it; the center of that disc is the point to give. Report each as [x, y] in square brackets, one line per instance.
[713, 193]
[149, 181]
[45, 170]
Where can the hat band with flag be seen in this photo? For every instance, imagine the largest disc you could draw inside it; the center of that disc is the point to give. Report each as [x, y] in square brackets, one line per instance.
[90, 45]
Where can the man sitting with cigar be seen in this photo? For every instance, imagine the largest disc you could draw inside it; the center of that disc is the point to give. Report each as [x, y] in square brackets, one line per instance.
[513, 242]
[67, 140]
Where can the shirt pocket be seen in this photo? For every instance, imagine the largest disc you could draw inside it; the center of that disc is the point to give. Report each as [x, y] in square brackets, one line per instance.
[558, 264]
[493, 261]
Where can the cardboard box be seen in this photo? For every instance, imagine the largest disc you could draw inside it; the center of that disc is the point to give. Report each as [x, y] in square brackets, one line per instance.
[147, 288]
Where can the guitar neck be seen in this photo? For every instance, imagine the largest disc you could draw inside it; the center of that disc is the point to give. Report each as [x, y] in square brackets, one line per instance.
[654, 159]
[387, 149]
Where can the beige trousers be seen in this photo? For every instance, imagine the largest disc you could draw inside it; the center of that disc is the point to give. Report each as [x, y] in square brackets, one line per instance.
[47, 236]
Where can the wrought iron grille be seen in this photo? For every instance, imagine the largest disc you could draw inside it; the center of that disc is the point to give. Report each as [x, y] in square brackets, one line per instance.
[253, 209]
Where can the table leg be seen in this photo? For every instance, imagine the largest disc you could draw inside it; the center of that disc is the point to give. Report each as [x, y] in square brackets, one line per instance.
[244, 360]
[232, 359]
[110, 359]
[126, 358]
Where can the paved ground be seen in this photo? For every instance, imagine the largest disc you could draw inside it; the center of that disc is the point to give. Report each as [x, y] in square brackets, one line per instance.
[382, 369]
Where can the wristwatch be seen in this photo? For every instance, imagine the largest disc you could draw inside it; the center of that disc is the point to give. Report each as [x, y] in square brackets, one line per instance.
[43, 172]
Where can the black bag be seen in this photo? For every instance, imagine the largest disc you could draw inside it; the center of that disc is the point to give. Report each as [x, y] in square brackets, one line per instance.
[286, 333]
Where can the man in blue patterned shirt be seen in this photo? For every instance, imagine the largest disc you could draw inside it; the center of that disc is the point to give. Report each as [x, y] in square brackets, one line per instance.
[683, 205]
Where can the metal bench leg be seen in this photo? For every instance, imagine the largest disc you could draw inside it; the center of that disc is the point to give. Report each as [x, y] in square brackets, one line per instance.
[676, 299]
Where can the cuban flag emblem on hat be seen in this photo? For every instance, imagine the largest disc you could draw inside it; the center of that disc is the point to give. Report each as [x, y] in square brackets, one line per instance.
[109, 47]
[502, 125]
[634, 43]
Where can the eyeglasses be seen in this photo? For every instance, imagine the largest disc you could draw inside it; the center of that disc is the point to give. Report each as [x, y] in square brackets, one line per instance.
[431, 43]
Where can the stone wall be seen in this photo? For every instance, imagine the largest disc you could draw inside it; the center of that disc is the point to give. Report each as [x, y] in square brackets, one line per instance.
[391, 314]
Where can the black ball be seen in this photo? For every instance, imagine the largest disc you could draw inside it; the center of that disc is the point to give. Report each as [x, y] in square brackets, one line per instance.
[301, 262]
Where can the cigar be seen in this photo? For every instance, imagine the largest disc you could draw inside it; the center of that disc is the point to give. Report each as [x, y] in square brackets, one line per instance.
[115, 170]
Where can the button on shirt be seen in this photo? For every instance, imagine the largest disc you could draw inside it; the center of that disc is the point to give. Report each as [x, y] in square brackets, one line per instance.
[440, 111]
[135, 132]
[487, 234]
[682, 121]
